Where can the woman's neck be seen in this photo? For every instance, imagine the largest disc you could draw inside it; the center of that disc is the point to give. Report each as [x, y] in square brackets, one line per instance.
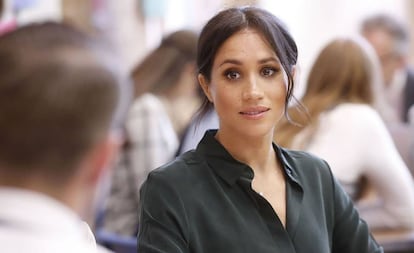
[256, 152]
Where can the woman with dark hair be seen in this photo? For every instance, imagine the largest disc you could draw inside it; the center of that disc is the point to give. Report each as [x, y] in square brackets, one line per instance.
[238, 191]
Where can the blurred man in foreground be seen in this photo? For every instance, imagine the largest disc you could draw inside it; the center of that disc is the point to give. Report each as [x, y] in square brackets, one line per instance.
[61, 101]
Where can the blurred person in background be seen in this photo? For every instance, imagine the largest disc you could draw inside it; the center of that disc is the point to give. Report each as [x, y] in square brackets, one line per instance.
[168, 73]
[4, 26]
[238, 191]
[198, 125]
[391, 41]
[61, 108]
[166, 97]
[344, 128]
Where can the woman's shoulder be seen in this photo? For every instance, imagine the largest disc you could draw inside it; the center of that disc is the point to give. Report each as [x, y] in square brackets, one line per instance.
[184, 168]
[292, 154]
[306, 166]
[354, 116]
[304, 161]
[146, 100]
[355, 110]
[311, 173]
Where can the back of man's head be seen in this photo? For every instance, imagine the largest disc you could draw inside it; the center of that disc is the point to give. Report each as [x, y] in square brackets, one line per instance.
[59, 95]
[392, 26]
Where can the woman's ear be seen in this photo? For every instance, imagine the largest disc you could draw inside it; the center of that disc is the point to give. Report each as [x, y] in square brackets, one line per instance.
[205, 86]
[295, 72]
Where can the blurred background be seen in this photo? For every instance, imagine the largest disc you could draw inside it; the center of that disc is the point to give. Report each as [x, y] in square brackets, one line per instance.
[136, 26]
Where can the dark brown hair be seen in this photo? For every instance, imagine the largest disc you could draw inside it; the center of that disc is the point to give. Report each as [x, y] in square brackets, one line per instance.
[58, 96]
[230, 21]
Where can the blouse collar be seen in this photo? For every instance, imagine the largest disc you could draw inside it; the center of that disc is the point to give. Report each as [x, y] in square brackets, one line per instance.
[230, 169]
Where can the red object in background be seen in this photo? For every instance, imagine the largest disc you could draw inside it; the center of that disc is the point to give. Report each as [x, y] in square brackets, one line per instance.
[7, 26]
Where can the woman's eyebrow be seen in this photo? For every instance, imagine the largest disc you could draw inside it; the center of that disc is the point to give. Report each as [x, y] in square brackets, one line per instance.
[268, 59]
[231, 61]
[237, 62]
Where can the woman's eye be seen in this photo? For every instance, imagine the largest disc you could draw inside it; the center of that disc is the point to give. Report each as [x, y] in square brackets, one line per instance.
[268, 71]
[232, 75]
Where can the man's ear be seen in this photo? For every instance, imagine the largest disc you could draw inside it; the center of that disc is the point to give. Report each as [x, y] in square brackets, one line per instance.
[103, 157]
[205, 86]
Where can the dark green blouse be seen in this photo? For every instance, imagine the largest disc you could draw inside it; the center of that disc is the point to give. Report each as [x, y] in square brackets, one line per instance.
[203, 202]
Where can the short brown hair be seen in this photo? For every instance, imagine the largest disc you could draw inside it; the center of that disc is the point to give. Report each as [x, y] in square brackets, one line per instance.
[161, 68]
[392, 26]
[58, 97]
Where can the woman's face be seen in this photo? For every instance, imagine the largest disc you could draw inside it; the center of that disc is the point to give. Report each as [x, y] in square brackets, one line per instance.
[247, 85]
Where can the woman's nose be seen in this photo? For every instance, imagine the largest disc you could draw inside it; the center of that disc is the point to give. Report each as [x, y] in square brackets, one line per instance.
[252, 89]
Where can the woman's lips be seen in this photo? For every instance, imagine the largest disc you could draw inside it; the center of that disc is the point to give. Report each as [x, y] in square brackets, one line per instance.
[254, 112]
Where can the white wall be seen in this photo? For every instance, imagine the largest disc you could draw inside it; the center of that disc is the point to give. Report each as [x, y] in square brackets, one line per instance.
[314, 22]
[39, 10]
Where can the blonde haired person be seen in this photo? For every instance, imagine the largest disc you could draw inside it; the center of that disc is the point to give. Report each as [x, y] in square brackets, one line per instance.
[344, 128]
